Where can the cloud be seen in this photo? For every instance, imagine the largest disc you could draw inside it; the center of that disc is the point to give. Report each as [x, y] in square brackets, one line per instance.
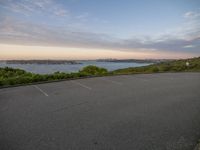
[189, 46]
[12, 31]
[191, 14]
[185, 38]
[83, 16]
[61, 12]
[30, 7]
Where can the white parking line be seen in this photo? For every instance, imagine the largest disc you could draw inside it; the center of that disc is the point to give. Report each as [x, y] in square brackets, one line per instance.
[115, 82]
[82, 85]
[40, 90]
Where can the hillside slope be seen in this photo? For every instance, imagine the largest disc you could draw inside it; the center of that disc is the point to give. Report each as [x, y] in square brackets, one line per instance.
[171, 66]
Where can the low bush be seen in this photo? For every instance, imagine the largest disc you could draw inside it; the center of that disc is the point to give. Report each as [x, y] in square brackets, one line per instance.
[93, 70]
[11, 76]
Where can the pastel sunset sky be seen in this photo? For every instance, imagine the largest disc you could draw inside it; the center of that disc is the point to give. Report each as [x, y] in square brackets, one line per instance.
[94, 29]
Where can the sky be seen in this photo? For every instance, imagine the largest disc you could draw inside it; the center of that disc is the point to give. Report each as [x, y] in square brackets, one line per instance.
[95, 29]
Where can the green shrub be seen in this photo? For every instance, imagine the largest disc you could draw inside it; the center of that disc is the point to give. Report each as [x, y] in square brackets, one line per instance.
[93, 70]
[155, 69]
[1, 82]
[164, 68]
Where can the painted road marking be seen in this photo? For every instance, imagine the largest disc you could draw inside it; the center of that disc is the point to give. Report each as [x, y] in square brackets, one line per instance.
[115, 82]
[39, 89]
[82, 85]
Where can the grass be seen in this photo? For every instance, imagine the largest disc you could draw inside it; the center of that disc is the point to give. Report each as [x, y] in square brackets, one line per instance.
[10, 76]
[171, 66]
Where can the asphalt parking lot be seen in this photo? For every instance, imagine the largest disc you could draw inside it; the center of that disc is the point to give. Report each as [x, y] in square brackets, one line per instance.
[127, 112]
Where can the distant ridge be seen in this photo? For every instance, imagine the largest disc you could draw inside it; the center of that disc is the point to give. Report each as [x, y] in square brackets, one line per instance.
[46, 62]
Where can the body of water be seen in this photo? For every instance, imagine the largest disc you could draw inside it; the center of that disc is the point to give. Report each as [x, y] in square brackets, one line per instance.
[48, 69]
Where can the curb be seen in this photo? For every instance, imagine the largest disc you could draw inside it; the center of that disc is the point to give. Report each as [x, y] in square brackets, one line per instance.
[86, 77]
[43, 82]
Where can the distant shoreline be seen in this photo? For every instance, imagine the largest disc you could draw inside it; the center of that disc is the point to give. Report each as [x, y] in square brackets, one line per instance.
[135, 60]
[42, 62]
[72, 62]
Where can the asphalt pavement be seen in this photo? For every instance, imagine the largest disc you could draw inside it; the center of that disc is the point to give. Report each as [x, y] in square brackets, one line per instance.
[128, 112]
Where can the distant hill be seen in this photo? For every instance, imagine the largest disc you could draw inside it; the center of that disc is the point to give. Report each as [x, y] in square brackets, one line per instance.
[134, 60]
